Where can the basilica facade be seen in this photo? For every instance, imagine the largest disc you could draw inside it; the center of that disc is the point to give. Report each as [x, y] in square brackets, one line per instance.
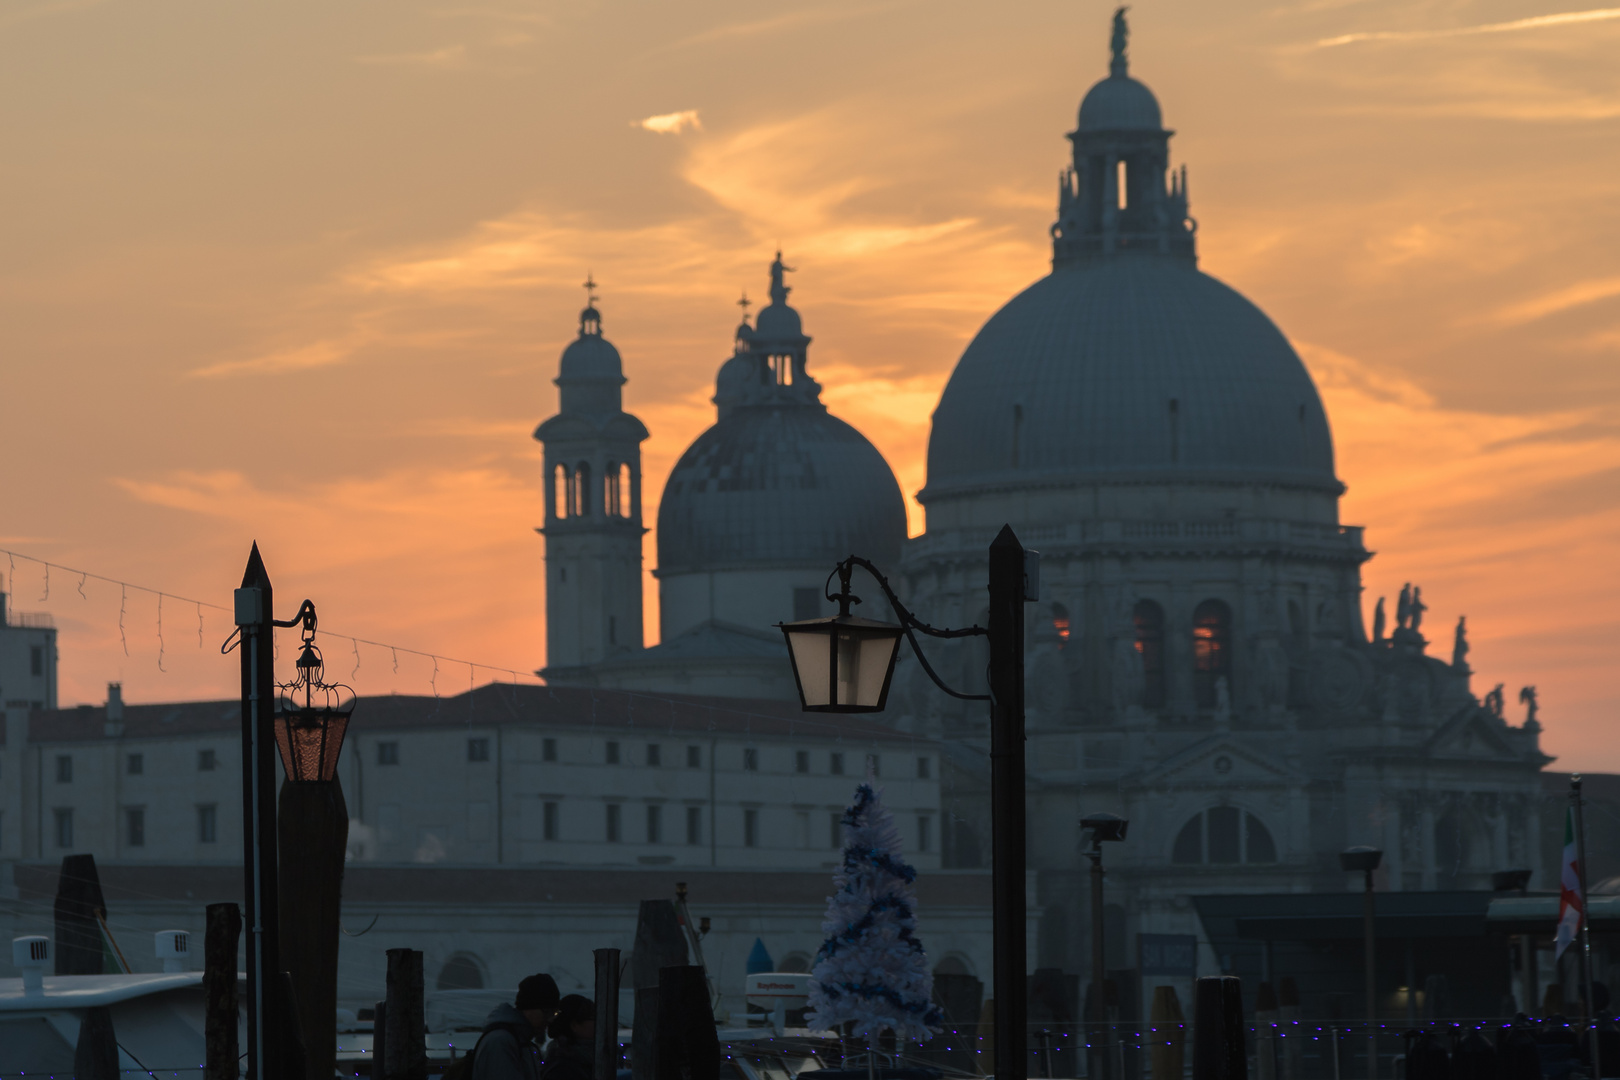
[1198, 660]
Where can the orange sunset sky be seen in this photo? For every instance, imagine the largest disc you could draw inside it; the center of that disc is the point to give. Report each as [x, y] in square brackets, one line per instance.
[301, 272]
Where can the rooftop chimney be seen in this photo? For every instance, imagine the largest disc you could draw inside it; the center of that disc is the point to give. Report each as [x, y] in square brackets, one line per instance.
[32, 954]
[114, 727]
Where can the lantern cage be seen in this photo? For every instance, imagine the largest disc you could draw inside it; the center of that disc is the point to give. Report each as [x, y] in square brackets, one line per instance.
[845, 664]
[309, 733]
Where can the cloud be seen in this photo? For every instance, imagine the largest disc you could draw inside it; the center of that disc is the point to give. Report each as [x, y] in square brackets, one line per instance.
[1536, 22]
[671, 123]
[315, 355]
[1573, 296]
[451, 56]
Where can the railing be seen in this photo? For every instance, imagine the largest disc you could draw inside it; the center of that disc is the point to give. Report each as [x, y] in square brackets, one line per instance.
[31, 620]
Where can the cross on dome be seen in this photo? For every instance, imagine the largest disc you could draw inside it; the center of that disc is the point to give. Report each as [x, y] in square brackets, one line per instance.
[590, 320]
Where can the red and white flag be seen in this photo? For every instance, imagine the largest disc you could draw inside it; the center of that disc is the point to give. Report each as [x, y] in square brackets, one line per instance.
[1571, 904]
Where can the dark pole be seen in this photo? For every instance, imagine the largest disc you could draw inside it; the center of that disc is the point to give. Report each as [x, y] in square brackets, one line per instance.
[1369, 947]
[253, 616]
[607, 1013]
[314, 833]
[1099, 965]
[1586, 923]
[219, 988]
[1007, 594]
[405, 1050]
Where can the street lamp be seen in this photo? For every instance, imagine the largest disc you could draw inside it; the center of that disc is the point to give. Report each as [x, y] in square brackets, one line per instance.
[1367, 859]
[844, 664]
[310, 735]
[1104, 828]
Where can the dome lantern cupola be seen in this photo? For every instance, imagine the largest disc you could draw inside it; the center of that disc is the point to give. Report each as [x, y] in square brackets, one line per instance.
[1114, 198]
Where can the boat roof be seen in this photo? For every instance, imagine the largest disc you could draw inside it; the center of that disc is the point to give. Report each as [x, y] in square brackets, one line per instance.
[88, 991]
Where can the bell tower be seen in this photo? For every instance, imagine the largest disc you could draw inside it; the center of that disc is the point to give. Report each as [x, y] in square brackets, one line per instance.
[593, 523]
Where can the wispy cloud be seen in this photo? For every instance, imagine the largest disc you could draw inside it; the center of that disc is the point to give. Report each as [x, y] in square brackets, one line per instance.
[315, 355]
[671, 123]
[1535, 22]
[1573, 296]
[451, 56]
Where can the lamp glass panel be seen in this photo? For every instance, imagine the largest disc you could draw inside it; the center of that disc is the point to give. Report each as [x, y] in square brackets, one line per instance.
[877, 653]
[810, 659]
[309, 741]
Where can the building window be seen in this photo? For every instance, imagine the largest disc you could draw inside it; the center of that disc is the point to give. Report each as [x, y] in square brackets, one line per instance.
[612, 752]
[135, 764]
[478, 749]
[610, 501]
[135, 826]
[750, 828]
[206, 762]
[655, 824]
[655, 754]
[694, 757]
[615, 822]
[835, 763]
[806, 604]
[64, 827]
[874, 765]
[207, 824]
[548, 820]
[751, 759]
[1060, 623]
[925, 768]
[388, 753]
[694, 825]
[925, 832]
[36, 660]
[64, 768]
[1149, 620]
[548, 749]
[835, 831]
[1212, 651]
[1224, 835]
[582, 490]
[801, 761]
[561, 498]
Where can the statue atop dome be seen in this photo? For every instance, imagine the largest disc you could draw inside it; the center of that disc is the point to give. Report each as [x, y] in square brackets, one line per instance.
[1119, 63]
[779, 288]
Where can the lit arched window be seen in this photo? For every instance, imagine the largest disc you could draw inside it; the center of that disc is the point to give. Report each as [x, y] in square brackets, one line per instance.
[1212, 650]
[1149, 619]
[582, 490]
[1224, 835]
[610, 491]
[625, 490]
[1060, 621]
[561, 499]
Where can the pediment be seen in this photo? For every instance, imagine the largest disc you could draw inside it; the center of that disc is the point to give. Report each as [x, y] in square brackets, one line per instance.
[1221, 761]
[1473, 735]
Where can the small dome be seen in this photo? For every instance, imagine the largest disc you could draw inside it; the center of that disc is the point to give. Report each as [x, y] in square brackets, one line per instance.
[778, 322]
[591, 356]
[1120, 103]
[773, 485]
[1135, 367]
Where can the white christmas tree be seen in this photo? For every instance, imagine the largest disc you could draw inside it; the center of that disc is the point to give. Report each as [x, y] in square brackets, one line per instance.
[871, 969]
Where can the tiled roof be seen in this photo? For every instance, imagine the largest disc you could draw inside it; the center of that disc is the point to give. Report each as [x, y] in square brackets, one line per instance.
[496, 703]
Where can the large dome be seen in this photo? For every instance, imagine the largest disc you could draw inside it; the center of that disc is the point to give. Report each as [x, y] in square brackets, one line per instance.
[777, 485]
[1119, 103]
[1135, 367]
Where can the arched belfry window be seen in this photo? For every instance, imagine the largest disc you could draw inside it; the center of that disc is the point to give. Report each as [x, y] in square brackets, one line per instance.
[1149, 619]
[626, 490]
[610, 491]
[582, 490]
[1212, 650]
[1224, 836]
[562, 497]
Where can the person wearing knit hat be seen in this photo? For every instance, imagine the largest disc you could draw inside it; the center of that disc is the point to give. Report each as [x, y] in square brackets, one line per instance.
[572, 1053]
[506, 1050]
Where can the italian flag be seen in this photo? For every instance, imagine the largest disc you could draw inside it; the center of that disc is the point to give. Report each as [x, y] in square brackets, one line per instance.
[1571, 908]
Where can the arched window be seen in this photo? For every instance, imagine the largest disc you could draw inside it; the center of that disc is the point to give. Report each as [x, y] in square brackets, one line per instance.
[610, 491]
[1060, 621]
[625, 490]
[1212, 650]
[561, 495]
[582, 490]
[794, 961]
[1224, 835]
[461, 972]
[1149, 619]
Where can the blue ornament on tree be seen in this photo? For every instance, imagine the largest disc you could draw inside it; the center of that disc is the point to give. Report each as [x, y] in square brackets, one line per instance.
[872, 970]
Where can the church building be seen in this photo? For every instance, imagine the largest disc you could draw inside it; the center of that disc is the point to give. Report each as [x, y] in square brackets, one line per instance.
[1198, 660]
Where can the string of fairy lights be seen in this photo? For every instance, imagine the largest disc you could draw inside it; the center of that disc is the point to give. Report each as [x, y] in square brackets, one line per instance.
[806, 723]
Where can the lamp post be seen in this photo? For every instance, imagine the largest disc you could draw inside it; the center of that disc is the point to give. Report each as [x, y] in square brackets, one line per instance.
[1366, 860]
[1103, 827]
[311, 720]
[845, 664]
[310, 830]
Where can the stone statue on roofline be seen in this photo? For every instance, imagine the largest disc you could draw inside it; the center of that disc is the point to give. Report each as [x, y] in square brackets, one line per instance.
[1494, 702]
[1403, 607]
[1527, 696]
[1378, 622]
[1418, 608]
[1459, 645]
[1116, 43]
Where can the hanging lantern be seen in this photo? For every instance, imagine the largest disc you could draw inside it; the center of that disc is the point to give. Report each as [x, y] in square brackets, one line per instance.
[309, 733]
